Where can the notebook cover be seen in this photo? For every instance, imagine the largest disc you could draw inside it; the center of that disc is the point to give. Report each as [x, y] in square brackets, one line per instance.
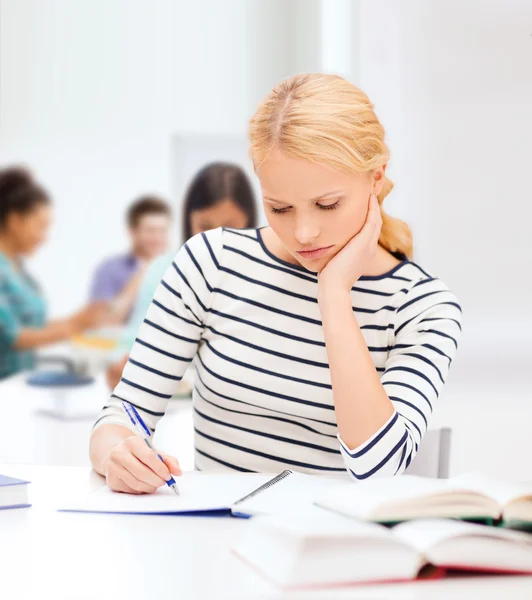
[6, 481]
[15, 506]
[214, 512]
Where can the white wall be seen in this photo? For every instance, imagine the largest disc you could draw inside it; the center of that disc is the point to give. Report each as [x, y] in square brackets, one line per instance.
[92, 93]
[452, 83]
[86, 101]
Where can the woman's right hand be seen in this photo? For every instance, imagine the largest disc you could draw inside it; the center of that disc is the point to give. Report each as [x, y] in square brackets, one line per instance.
[133, 468]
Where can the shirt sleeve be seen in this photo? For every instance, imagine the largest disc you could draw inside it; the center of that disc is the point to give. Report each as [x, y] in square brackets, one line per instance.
[168, 338]
[427, 330]
[9, 324]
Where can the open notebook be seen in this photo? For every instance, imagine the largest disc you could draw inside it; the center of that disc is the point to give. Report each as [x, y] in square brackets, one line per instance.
[302, 552]
[470, 496]
[239, 494]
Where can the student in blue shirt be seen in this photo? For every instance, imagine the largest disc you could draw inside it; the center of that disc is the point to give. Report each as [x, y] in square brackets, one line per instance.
[219, 195]
[25, 214]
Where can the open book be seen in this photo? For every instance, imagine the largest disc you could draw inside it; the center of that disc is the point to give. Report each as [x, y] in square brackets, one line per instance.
[473, 497]
[239, 494]
[332, 551]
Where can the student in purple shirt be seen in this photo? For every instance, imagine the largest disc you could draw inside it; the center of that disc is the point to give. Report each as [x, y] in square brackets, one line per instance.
[118, 278]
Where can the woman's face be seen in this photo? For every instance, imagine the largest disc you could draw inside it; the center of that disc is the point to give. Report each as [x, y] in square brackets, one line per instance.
[225, 213]
[30, 230]
[314, 210]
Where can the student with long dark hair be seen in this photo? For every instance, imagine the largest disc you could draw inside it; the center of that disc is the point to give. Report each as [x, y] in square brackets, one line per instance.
[25, 216]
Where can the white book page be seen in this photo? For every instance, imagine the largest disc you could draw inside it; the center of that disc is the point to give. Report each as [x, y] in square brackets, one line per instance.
[424, 534]
[329, 526]
[304, 551]
[363, 498]
[198, 492]
[503, 492]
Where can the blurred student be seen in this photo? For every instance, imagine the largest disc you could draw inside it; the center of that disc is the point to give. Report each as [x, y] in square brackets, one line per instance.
[25, 215]
[220, 195]
[118, 278]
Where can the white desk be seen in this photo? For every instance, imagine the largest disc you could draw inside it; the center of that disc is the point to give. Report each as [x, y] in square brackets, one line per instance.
[46, 554]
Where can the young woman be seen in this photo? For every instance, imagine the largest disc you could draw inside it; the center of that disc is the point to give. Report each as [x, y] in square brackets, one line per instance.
[219, 195]
[318, 344]
[25, 214]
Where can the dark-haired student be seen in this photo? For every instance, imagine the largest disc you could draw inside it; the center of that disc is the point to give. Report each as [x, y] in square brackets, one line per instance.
[25, 216]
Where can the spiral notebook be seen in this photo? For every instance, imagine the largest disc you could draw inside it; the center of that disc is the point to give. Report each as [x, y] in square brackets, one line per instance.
[238, 494]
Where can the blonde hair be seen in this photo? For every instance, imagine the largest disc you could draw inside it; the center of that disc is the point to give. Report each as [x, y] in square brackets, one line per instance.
[327, 120]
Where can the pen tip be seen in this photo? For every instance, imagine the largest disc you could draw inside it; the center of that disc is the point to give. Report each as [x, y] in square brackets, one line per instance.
[176, 491]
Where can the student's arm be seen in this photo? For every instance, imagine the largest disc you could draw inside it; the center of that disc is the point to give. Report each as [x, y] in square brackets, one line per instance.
[28, 338]
[13, 334]
[122, 304]
[166, 343]
[152, 278]
[381, 420]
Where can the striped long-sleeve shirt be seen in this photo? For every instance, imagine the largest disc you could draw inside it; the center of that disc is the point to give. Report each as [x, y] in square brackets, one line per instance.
[263, 399]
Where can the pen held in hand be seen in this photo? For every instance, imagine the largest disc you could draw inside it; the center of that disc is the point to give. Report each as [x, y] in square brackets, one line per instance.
[145, 433]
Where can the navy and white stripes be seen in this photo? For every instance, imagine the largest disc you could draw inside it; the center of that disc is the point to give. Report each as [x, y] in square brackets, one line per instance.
[263, 399]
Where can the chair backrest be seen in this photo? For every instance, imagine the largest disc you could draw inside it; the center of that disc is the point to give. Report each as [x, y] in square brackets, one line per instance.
[433, 457]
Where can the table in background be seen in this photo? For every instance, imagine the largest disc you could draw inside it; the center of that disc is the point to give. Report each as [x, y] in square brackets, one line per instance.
[48, 554]
[33, 434]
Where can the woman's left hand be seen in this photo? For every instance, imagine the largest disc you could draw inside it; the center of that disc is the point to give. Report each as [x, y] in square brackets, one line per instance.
[355, 257]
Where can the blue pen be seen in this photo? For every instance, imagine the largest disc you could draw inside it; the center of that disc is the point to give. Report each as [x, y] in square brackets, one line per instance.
[145, 434]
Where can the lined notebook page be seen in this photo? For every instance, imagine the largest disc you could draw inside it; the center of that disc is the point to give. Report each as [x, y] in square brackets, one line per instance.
[198, 492]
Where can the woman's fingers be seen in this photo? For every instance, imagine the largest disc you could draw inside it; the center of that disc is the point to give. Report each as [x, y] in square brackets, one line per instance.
[149, 458]
[133, 467]
[370, 233]
[117, 485]
[141, 472]
[172, 463]
[126, 477]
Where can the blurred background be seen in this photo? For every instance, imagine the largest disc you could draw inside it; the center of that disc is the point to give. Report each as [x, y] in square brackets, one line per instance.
[106, 100]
